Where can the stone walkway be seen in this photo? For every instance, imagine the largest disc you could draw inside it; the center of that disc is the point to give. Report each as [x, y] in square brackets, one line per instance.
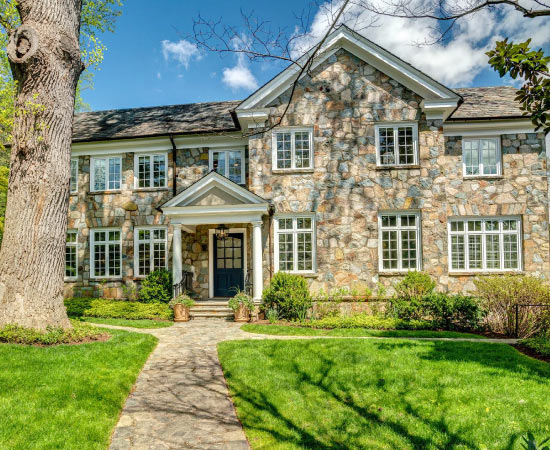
[180, 400]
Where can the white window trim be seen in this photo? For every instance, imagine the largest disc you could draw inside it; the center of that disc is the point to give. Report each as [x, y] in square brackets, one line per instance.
[92, 255]
[76, 183]
[293, 132]
[92, 173]
[395, 126]
[294, 231]
[136, 171]
[151, 240]
[417, 227]
[499, 158]
[218, 150]
[465, 233]
[75, 245]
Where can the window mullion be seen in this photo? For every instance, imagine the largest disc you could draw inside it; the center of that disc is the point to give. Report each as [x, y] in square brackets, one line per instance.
[399, 244]
[151, 171]
[466, 248]
[150, 243]
[483, 247]
[293, 150]
[395, 147]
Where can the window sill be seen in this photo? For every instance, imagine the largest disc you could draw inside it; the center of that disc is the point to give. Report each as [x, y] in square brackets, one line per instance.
[153, 189]
[399, 167]
[486, 273]
[483, 177]
[106, 279]
[396, 273]
[116, 191]
[291, 171]
[70, 280]
[304, 274]
[73, 194]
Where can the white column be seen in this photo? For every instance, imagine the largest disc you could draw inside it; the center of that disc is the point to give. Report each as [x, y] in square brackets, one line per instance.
[257, 278]
[176, 255]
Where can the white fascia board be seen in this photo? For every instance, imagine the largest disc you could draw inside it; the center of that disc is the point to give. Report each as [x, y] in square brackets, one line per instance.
[439, 108]
[209, 209]
[223, 140]
[203, 215]
[488, 127]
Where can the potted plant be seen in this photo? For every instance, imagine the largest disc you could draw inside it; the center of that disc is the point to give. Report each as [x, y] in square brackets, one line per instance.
[181, 305]
[242, 305]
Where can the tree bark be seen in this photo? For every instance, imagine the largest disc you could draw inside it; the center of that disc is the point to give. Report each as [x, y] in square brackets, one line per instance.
[45, 60]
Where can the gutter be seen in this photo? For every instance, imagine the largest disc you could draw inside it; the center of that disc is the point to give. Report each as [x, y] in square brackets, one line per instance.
[174, 176]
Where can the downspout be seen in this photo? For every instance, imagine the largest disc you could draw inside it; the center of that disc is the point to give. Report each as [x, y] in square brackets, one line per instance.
[174, 175]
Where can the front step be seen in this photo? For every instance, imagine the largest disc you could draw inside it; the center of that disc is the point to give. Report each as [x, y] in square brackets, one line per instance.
[211, 309]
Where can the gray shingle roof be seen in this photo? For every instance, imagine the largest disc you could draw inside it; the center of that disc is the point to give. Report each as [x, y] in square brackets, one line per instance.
[487, 102]
[151, 121]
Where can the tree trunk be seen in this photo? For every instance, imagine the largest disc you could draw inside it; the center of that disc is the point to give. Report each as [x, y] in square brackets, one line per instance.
[45, 59]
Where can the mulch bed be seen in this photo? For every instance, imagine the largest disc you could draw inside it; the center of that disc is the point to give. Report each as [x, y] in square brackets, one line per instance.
[530, 352]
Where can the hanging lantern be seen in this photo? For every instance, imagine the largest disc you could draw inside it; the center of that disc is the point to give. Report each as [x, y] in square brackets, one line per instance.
[221, 232]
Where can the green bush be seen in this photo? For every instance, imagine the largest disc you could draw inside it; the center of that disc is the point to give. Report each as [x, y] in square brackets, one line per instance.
[364, 320]
[241, 298]
[407, 308]
[157, 287]
[453, 311]
[15, 334]
[414, 285]
[539, 344]
[289, 294]
[500, 295]
[117, 309]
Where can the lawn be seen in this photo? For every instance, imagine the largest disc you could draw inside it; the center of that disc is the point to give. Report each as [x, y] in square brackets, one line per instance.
[284, 330]
[385, 394]
[67, 396]
[134, 323]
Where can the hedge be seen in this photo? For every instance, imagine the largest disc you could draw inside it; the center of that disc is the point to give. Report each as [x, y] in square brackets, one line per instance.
[364, 320]
[117, 309]
[81, 332]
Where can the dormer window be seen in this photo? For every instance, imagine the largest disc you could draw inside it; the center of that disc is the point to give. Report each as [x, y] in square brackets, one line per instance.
[396, 144]
[293, 149]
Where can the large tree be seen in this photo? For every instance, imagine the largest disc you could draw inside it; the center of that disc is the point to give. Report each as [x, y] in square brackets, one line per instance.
[49, 44]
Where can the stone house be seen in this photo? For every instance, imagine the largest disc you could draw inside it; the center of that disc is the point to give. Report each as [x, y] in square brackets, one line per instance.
[375, 170]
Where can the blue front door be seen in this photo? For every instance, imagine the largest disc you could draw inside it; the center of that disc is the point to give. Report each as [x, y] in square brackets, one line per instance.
[228, 265]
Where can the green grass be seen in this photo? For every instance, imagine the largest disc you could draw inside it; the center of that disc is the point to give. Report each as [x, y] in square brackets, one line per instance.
[68, 396]
[140, 323]
[285, 330]
[385, 394]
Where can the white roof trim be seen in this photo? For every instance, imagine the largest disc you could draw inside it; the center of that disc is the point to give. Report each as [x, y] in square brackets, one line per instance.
[487, 127]
[364, 49]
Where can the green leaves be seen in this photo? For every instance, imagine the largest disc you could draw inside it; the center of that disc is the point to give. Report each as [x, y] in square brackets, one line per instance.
[530, 443]
[520, 61]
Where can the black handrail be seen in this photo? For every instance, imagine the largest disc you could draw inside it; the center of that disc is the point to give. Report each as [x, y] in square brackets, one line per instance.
[185, 285]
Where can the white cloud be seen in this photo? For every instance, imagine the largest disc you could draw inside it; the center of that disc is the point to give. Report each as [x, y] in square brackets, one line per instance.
[457, 60]
[182, 51]
[239, 76]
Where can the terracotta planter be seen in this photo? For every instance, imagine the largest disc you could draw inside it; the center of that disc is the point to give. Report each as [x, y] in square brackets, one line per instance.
[242, 314]
[181, 313]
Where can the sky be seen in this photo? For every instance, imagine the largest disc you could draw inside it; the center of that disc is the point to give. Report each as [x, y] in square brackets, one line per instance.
[151, 58]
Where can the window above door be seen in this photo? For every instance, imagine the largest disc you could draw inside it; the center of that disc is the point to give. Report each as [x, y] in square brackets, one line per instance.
[230, 163]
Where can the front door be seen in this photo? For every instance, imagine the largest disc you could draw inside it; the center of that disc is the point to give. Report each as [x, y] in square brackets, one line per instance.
[228, 265]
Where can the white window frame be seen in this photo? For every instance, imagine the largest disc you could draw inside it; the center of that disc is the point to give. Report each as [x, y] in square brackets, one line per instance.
[483, 232]
[75, 190]
[92, 254]
[151, 171]
[292, 132]
[395, 126]
[399, 228]
[151, 241]
[93, 159]
[499, 157]
[295, 231]
[227, 150]
[75, 246]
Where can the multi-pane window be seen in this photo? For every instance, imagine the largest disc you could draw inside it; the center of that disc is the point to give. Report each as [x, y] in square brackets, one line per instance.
[293, 149]
[481, 157]
[295, 244]
[229, 163]
[399, 248]
[71, 255]
[150, 171]
[106, 253]
[487, 244]
[150, 250]
[106, 173]
[74, 175]
[396, 145]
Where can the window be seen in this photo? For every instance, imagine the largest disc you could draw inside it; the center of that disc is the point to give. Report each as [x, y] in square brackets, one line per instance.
[74, 175]
[150, 250]
[150, 171]
[106, 173]
[488, 244]
[295, 244]
[481, 157]
[293, 149]
[396, 145]
[399, 235]
[229, 163]
[71, 255]
[106, 253]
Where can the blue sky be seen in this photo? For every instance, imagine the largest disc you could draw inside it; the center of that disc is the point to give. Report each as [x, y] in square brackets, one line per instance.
[151, 61]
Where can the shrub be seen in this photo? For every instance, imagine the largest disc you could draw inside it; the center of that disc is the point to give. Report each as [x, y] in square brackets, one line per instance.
[414, 285]
[117, 309]
[539, 344]
[272, 315]
[452, 311]
[364, 320]
[77, 306]
[289, 294]
[182, 299]
[241, 298]
[500, 295]
[157, 287]
[81, 332]
[407, 308]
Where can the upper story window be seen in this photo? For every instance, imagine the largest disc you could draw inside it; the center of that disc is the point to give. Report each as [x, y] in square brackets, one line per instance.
[106, 253]
[150, 250]
[396, 144]
[74, 176]
[481, 157]
[295, 243]
[293, 149]
[488, 244]
[71, 255]
[150, 170]
[399, 241]
[229, 163]
[106, 173]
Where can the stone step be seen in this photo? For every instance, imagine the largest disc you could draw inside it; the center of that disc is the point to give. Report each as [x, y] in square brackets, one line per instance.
[203, 303]
[212, 315]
